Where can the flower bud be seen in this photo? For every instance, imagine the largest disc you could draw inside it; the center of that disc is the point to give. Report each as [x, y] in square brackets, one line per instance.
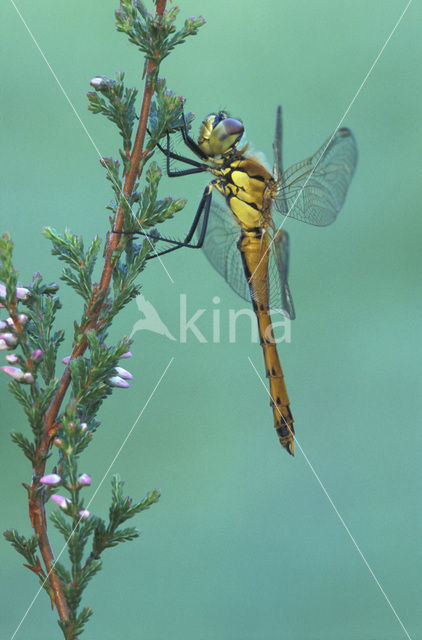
[22, 293]
[126, 375]
[12, 359]
[84, 426]
[51, 479]
[84, 480]
[128, 354]
[66, 360]
[9, 338]
[3, 325]
[10, 323]
[84, 514]
[3, 345]
[97, 82]
[23, 318]
[37, 356]
[61, 501]
[58, 443]
[28, 378]
[117, 381]
[13, 372]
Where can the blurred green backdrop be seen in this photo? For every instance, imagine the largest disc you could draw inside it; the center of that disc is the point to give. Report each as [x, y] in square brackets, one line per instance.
[243, 544]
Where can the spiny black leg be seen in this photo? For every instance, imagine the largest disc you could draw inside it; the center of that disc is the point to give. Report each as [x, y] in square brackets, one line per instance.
[177, 156]
[190, 142]
[199, 168]
[178, 243]
[203, 208]
[207, 207]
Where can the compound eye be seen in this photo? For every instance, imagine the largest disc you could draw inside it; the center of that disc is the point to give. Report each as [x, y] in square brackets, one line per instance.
[219, 134]
[232, 127]
[225, 136]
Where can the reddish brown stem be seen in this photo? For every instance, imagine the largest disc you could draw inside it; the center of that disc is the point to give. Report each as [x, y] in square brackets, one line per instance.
[36, 506]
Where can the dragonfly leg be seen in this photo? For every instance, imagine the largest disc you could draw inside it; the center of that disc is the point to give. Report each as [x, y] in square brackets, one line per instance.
[204, 211]
[198, 166]
[190, 142]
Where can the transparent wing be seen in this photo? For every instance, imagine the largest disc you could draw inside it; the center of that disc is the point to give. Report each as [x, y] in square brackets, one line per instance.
[277, 145]
[220, 247]
[278, 159]
[278, 270]
[314, 190]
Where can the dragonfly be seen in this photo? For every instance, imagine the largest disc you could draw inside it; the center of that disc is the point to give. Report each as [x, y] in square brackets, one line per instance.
[240, 216]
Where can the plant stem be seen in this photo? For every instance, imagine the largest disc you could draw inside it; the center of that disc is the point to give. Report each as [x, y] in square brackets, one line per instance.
[36, 505]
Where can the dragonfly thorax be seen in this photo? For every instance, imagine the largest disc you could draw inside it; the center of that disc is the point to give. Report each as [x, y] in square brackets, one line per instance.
[249, 189]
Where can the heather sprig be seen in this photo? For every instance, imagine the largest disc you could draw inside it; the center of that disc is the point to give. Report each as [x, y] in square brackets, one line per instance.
[156, 36]
[61, 396]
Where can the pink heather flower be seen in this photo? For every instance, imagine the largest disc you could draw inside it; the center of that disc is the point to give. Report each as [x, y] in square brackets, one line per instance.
[13, 372]
[97, 82]
[51, 479]
[9, 338]
[61, 501]
[84, 514]
[84, 426]
[128, 354]
[3, 325]
[10, 323]
[28, 378]
[37, 356]
[117, 381]
[12, 359]
[84, 480]
[66, 359]
[22, 293]
[23, 318]
[126, 375]
[3, 345]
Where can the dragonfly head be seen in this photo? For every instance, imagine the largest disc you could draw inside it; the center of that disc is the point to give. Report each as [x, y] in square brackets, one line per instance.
[219, 134]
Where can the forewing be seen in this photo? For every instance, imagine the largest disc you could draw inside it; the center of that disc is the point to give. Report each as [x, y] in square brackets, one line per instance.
[314, 190]
[278, 159]
[277, 145]
[278, 270]
[220, 247]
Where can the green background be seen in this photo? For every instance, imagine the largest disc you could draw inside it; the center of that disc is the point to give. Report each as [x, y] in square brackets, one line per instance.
[244, 543]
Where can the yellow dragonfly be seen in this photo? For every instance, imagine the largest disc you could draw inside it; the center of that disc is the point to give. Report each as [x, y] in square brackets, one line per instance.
[242, 235]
